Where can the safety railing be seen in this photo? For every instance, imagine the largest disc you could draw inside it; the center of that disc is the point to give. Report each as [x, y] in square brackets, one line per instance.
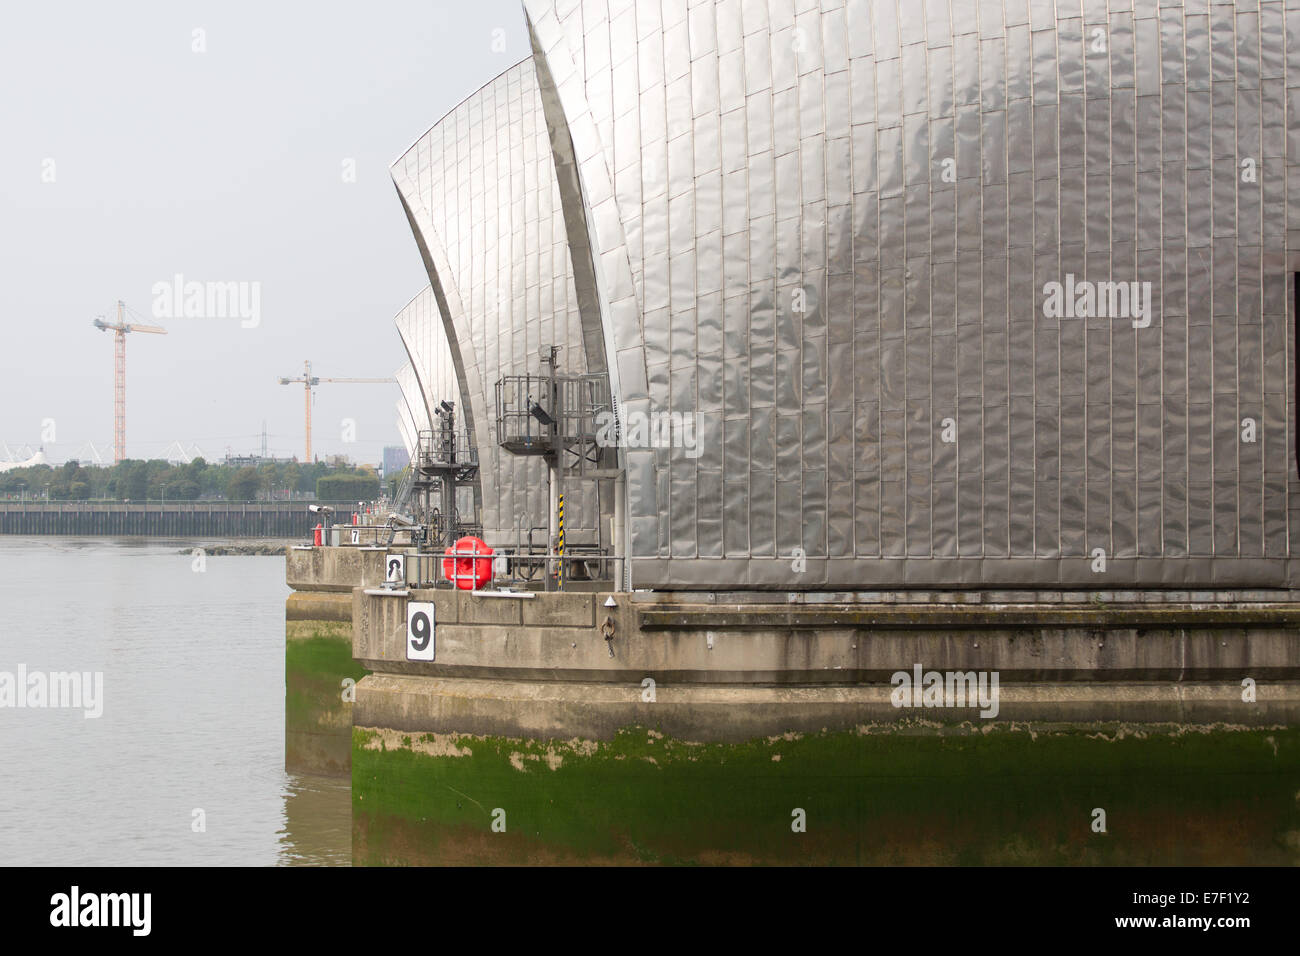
[529, 417]
[361, 535]
[442, 448]
[426, 569]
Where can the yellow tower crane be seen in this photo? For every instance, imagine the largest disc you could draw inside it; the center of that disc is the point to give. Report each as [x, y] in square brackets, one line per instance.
[119, 330]
[308, 380]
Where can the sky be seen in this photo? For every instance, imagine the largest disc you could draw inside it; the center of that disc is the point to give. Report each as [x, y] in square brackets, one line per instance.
[221, 142]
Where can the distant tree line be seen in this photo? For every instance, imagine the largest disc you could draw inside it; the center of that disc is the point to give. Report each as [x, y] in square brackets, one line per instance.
[133, 480]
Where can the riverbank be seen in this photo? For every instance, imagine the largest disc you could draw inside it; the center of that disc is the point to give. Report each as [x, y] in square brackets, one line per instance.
[273, 548]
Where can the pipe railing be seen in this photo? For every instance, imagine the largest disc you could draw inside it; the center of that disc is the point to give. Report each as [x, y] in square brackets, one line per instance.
[425, 569]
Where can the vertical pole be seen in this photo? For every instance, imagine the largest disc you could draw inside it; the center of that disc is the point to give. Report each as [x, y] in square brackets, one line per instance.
[619, 537]
[552, 509]
[119, 386]
[447, 439]
[556, 459]
[307, 416]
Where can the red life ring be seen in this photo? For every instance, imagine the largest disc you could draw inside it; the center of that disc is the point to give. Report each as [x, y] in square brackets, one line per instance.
[468, 564]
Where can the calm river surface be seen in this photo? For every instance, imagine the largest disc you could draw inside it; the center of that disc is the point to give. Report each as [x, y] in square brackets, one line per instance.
[193, 712]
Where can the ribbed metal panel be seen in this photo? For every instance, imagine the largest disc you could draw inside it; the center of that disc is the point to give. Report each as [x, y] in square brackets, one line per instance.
[420, 327]
[406, 428]
[412, 418]
[828, 231]
[480, 191]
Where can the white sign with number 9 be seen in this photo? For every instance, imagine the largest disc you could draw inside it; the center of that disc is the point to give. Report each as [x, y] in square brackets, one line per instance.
[419, 631]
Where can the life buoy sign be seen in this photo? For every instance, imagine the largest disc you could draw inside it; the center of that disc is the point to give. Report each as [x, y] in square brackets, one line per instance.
[468, 564]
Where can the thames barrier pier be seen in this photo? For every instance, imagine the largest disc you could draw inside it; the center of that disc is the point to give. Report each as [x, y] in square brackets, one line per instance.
[689, 727]
[843, 433]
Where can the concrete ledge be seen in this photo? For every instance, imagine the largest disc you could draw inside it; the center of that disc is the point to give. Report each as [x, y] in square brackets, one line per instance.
[488, 610]
[711, 713]
[560, 610]
[1082, 597]
[486, 638]
[333, 569]
[318, 606]
[973, 616]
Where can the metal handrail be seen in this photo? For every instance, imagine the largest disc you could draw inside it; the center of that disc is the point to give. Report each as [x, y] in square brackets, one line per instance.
[404, 488]
[443, 447]
[424, 568]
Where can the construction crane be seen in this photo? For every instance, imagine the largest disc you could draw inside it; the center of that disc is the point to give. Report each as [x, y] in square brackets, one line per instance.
[119, 331]
[308, 380]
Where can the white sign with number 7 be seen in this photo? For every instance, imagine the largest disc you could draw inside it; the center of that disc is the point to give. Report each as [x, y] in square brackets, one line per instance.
[419, 631]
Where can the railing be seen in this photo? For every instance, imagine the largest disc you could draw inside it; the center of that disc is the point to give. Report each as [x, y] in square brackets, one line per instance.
[583, 400]
[425, 569]
[268, 519]
[404, 489]
[158, 504]
[586, 406]
[363, 535]
[581, 563]
[441, 448]
[517, 428]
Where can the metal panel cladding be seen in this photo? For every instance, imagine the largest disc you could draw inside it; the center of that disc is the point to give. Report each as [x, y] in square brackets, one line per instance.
[959, 293]
[412, 417]
[406, 428]
[420, 326]
[480, 192]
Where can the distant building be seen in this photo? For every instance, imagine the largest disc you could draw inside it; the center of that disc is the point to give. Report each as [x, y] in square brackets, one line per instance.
[240, 461]
[36, 459]
[395, 459]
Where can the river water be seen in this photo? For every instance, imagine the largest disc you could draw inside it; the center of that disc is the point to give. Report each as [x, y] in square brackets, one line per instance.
[185, 765]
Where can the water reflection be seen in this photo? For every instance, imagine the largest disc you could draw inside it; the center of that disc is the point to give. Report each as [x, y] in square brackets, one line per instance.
[193, 668]
[317, 828]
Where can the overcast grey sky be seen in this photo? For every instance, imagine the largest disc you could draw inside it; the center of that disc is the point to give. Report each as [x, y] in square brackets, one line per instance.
[221, 165]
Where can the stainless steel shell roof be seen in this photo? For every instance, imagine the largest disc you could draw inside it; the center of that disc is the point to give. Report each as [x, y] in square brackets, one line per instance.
[480, 193]
[830, 232]
[420, 327]
[405, 428]
[412, 418]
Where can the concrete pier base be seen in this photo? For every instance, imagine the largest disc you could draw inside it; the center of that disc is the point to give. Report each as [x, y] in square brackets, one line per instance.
[1127, 727]
[906, 793]
[745, 732]
[320, 677]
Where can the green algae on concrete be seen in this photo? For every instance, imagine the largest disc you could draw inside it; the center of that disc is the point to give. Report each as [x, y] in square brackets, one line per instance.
[317, 717]
[901, 794]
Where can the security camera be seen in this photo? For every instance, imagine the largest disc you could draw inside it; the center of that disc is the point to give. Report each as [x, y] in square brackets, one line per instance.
[541, 415]
[320, 509]
[446, 407]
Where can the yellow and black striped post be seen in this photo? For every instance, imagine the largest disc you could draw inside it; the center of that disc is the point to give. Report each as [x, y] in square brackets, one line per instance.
[559, 543]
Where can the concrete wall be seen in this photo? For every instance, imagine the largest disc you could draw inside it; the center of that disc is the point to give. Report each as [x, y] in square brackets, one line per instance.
[333, 569]
[525, 741]
[727, 672]
[716, 731]
[317, 701]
